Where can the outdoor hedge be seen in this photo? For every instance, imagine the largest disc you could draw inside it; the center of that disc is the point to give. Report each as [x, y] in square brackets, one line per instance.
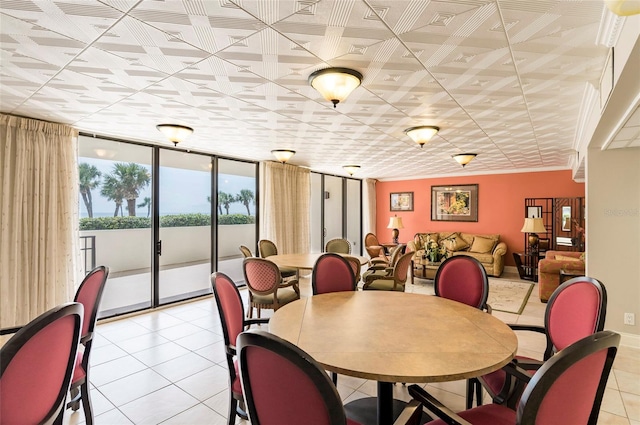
[178, 220]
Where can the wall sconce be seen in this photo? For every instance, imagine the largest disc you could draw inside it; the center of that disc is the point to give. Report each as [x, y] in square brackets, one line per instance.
[351, 169]
[283, 155]
[335, 84]
[422, 134]
[464, 158]
[174, 132]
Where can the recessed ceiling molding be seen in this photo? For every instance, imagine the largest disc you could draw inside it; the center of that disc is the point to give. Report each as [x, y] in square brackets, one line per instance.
[610, 28]
[335, 84]
[176, 133]
[422, 134]
[625, 117]
[590, 98]
[283, 155]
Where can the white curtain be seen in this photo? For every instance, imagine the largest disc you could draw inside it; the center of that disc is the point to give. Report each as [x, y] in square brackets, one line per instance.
[369, 207]
[285, 196]
[39, 223]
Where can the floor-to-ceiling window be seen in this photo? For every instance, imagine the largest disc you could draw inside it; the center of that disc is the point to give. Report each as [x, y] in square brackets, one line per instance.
[146, 213]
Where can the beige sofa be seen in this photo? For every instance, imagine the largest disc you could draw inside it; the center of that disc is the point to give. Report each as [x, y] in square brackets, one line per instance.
[485, 248]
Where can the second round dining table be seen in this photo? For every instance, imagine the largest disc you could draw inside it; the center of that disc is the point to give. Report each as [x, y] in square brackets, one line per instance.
[304, 261]
[395, 337]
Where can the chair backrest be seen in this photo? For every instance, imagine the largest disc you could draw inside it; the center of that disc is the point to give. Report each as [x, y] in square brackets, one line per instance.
[401, 269]
[396, 253]
[283, 384]
[261, 275]
[230, 308]
[577, 308]
[89, 294]
[462, 278]
[332, 273]
[372, 245]
[339, 246]
[267, 248]
[36, 366]
[355, 266]
[246, 252]
[568, 388]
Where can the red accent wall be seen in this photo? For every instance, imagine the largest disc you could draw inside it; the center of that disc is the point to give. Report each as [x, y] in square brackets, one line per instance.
[500, 204]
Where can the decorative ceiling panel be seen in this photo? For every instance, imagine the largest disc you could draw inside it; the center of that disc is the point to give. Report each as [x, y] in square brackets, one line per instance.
[502, 78]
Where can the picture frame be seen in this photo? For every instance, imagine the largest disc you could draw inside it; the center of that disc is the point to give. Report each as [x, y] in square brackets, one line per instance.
[566, 218]
[401, 201]
[534, 212]
[454, 203]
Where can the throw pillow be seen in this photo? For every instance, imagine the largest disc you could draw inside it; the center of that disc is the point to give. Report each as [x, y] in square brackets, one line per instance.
[456, 243]
[482, 245]
[566, 258]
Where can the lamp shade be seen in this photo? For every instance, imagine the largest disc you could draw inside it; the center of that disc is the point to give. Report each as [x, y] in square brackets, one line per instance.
[464, 158]
[335, 84]
[422, 134]
[283, 155]
[533, 225]
[395, 222]
[176, 133]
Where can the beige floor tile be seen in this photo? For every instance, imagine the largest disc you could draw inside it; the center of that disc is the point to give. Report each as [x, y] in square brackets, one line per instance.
[214, 352]
[105, 354]
[160, 353]
[612, 403]
[113, 417]
[142, 342]
[198, 340]
[606, 418]
[158, 406]
[115, 332]
[206, 383]
[179, 331]
[198, 414]
[115, 369]
[133, 386]
[627, 382]
[631, 405]
[156, 320]
[219, 402]
[182, 367]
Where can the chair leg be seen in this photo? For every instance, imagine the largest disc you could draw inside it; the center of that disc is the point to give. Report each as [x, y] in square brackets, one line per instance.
[86, 403]
[241, 410]
[233, 404]
[74, 403]
[470, 387]
[334, 378]
[478, 392]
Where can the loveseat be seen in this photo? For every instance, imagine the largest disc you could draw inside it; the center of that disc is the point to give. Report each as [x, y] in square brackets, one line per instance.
[485, 248]
[549, 270]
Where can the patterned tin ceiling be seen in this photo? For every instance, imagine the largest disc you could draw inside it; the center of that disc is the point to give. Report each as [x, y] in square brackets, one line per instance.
[502, 78]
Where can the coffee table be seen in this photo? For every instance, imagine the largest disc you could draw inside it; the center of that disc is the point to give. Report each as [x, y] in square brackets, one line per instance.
[395, 337]
[427, 269]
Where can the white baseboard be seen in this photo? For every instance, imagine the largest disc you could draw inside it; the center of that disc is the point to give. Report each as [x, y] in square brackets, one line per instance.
[629, 340]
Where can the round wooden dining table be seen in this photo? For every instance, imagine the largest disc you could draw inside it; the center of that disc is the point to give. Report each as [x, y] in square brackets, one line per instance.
[395, 337]
[304, 261]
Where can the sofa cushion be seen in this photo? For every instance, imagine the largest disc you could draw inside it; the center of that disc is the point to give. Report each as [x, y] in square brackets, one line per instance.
[486, 258]
[426, 237]
[567, 258]
[482, 245]
[456, 243]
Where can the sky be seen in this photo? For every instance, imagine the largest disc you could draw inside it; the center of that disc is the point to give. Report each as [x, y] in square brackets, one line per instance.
[181, 191]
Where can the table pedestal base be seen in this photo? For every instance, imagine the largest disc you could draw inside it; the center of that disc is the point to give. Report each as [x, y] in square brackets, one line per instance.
[375, 411]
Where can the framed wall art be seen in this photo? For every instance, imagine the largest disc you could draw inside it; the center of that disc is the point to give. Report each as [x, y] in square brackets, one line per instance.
[402, 201]
[454, 203]
[534, 212]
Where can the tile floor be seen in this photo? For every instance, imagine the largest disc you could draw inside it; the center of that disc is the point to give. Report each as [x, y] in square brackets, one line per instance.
[168, 366]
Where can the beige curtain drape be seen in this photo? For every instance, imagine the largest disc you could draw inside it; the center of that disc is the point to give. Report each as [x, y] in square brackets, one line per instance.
[369, 207]
[38, 213]
[285, 194]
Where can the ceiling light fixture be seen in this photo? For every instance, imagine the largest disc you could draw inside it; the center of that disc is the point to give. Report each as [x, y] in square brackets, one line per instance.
[351, 169]
[283, 155]
[422, 134]
[623, 7]
[464, 158]
[174, 132]
[335, 84]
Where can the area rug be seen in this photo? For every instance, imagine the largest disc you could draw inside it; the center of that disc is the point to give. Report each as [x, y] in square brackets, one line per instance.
[509, 296]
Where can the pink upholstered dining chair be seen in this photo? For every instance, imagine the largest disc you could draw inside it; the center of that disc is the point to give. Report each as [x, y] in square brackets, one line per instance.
[283, 384]
[36, 366]
[89, 294]
[462, 278]
[576, 309]
[566, 390]
[332, 273]
[267, 290]
[231, 312]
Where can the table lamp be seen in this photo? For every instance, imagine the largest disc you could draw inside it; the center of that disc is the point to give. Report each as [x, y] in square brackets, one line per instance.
[533, 226]
[395, 223]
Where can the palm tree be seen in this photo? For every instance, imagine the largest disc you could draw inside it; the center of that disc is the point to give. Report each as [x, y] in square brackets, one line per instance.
[246, 197]
[225, 199]
[133, 177]
[146, 203]
[112, 190]
[89, 177]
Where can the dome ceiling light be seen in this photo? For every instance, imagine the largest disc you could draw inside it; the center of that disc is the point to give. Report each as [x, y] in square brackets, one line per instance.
[335, 84]
[422, 134]
[176, 133]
